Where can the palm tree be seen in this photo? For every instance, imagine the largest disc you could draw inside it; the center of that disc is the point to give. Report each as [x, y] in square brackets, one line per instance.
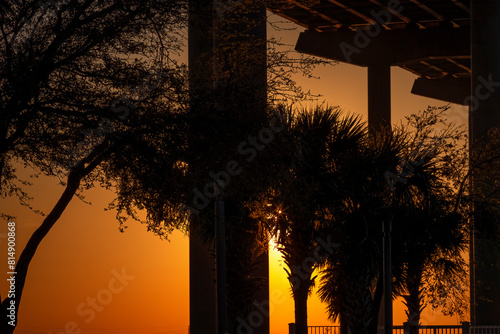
[295, 206]
[351, 283]
[416, 197]
[432, 268]
[430, 229]
[429, 244]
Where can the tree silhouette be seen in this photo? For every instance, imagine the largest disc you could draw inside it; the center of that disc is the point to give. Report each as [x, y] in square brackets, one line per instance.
[409, 178]
[351, 281]
[81, 85]
[310, 158]
[76, 71]
[430, 229]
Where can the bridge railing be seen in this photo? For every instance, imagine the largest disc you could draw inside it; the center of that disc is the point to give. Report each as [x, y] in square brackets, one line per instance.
[484, 330]
[323, 330]
[465, 328]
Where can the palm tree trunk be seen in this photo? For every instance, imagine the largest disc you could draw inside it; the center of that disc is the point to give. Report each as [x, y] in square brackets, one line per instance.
[300, 299]
[414, 310]
[414, 315]
[344, 325]
[413, 300]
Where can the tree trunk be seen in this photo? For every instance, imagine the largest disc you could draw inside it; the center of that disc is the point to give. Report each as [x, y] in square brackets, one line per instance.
[300, 299]
[414, 300]
[414, 310]
[344, 324]
[74, 179]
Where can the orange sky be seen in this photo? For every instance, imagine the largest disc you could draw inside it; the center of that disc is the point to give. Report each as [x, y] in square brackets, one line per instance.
[79, 260]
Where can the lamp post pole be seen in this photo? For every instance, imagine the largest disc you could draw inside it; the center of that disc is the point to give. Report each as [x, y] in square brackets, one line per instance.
[387, 228]
[220, 252]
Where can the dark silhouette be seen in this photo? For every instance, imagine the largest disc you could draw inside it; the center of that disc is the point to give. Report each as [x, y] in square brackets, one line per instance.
[351, 282]
[415, 177]
[430, 227]
[298, 198]
[75, 101]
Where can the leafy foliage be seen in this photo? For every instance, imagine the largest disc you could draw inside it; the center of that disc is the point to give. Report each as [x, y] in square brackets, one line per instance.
[74, 72]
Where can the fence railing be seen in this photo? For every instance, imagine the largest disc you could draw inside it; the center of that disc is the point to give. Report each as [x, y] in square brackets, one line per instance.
[484, 330]
[405, 329]
[465, 328]
[456, 329]
[323, 329]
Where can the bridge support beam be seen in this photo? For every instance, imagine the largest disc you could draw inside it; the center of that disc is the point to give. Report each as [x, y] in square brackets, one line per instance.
[485, 115]
[379, 96]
